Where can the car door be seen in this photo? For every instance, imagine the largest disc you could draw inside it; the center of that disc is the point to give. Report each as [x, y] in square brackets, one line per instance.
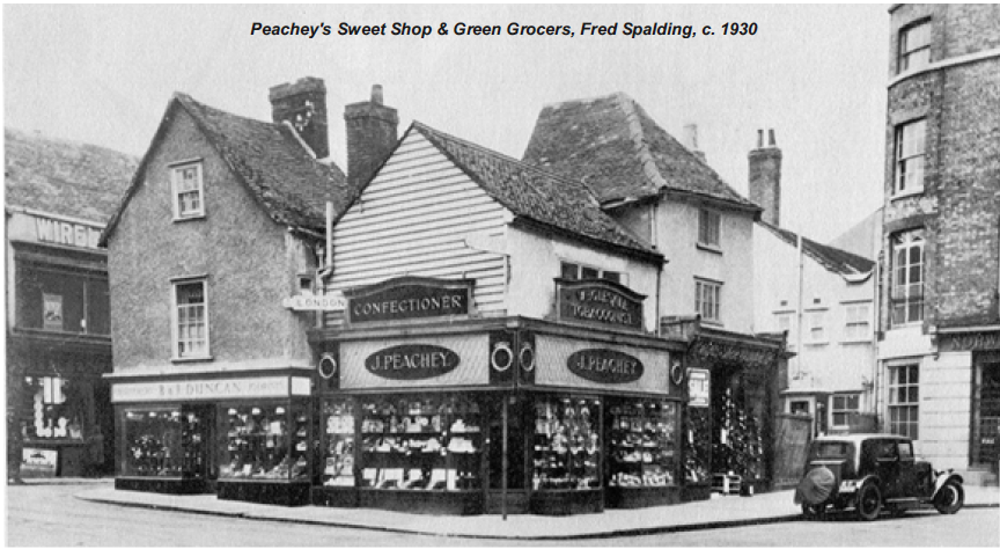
[906, 483]
[887, 466]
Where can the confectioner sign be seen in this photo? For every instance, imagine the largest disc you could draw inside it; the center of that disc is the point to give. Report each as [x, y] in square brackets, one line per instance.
[605, 366]
[599, 302]
[409, 298]
[410, 362]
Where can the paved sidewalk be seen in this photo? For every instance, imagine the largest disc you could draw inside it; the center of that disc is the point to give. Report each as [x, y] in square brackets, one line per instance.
[718, 512]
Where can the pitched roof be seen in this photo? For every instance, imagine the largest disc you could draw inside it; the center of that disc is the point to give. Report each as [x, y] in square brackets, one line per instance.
[64, 177]
[289, 184]
[536, 194]
[832, 259]
[612, 145]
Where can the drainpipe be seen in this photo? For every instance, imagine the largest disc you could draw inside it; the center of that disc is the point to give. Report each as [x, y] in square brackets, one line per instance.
[799, 313]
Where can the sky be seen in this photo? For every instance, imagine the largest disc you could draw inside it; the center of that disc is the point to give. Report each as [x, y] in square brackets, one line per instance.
[816, 74]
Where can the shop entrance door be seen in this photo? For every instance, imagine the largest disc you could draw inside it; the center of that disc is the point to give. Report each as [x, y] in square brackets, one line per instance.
[516, 489]
[988, 439]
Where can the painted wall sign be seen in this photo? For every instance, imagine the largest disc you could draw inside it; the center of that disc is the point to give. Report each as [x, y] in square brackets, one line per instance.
[408, 362]
[207, 389]
[599, 302]
[66, 233]
[979, 341]
[605, 366]
[409, 298]
[333, 301]
[699, 390]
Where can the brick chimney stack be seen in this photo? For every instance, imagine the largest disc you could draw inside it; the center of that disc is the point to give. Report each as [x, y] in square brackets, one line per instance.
[371, 136]
[765, 178]
[303, 104]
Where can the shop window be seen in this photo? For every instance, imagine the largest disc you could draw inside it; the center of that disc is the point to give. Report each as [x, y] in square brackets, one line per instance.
[842, 407]
[910, 153]
[709, 223]
[643, 444]
[188, 191]
[799, 407]
[167, 442]
[904, 399]
[191, 320]
[266, 442]
[430, 443]
[707, 297]
[857, 322]
[57, 300]
[573, 271]
[567, 444]
[57, 408]
[338, 463]
[915, 46]
[817, 327]
[907, 298]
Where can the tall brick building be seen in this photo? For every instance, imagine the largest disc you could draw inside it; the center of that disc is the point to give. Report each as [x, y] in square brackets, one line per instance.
[939, 350]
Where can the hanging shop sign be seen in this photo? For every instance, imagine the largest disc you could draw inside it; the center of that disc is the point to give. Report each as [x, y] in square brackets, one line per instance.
[698, 387]
[605, 366]
[409, 362]
[409, 298]
[977, 341]
[599, 302]
[331, 301]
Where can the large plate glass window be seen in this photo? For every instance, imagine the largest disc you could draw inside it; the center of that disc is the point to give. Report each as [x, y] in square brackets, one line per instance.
[338, 421]
[266, 442]
[643, 447]
[567, 443]
[164, 442]
[421, 443]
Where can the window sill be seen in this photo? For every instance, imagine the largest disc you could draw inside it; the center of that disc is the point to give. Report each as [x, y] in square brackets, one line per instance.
[192, 217]
[907, 194]
[856, 342]
[709, 248]
[186, 359]
[815, 343]
[713, 323]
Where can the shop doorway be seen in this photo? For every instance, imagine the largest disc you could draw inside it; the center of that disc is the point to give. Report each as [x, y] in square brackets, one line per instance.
[516, 488]
[986, 443]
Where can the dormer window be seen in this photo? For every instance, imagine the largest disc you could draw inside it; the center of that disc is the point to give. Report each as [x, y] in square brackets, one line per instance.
[574, 271]
[188, 190]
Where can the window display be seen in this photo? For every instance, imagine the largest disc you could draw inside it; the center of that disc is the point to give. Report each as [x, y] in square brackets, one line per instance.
[338, 464]
[164, 443]
[56, 407]
[266, 442]
[428, 443]
[567, 448]
[643, 444]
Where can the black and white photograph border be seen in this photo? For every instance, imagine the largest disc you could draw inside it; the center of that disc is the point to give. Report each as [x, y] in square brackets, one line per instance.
[561, 274]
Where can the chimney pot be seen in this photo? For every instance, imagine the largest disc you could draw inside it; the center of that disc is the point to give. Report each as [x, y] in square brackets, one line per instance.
[760, 139]
[377, 94]
[765, 178]
[770, 138]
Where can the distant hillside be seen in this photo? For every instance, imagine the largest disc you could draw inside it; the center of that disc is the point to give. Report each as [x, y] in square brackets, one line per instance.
[64, 177]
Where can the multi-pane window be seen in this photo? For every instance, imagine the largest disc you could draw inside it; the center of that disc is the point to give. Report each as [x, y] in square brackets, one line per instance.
[191, 329]
[907, 298]
[784, 321]
[707, 299]
[708, 227]
[573, 271]
[904, 397]
[841, 408]
[857, 323]
[188, 187]
[817, 326]
[915, 46]
[910, 149]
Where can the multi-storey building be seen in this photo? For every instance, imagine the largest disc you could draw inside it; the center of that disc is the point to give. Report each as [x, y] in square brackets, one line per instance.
[939, 323]
[59, 195]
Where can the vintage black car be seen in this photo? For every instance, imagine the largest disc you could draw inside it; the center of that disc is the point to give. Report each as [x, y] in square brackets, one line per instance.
[872, 472]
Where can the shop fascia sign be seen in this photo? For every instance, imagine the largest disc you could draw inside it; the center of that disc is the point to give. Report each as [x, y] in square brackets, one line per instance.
[409, 298]
[699, 388]
[599, 302]
[51, 229]
[330, 301]
[975, 341]
[412, 362]
[605, 366]
[209, 389]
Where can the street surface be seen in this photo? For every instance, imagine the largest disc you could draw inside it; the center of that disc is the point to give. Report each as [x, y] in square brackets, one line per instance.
[49, 515]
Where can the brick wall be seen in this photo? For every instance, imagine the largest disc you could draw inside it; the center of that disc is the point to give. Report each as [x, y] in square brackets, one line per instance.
[250, 262]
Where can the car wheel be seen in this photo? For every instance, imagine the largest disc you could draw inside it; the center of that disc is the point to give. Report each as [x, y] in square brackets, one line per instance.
[814, 512]
[950, 498]
[869, 502]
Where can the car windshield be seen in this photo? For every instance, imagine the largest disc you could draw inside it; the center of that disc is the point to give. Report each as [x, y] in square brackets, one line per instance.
[829, 450]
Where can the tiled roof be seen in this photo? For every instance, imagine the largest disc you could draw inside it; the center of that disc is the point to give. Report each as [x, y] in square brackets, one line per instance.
[288, 183]
[63, 177]
[533, 193]
[832, 259]
[612, 145]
